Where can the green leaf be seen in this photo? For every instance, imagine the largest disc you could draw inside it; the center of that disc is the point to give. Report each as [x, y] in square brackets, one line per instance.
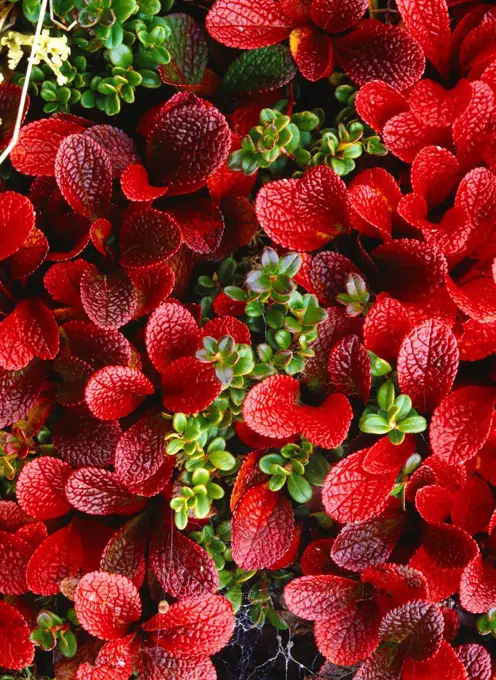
[123, 9]
[115, 36]
[386, 395]
[404, 406]
[316, 469]
[299, 488]
[277, 482]
[266, 462]
[222, 460]
[276, 620]
[235, 596]
[373, 424]
[412, 425]
[68, 644]
[266, 68]
[235, 293]
[121, 56]
[150, 79]
[188, 52]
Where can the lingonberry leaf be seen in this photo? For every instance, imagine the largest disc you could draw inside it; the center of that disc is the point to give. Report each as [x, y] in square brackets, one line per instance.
[194, 628]
[266, 68]
[318, 598]
[445, 665]
[96, 491]
[16, 648]
[366, 544]
[386, 324]
[148, 238]
[476, 659]
[84, 175]
[83, 440]
[58, 557]
[182, 567]
[427, 364]
[189, 140]
[115, 391]
[349, 367]
[106, 604]
[189, 386]
[478, 586]
[140, 460]
[119, 147]
[350, 494]
[38, 145]
[377, 51]
[246, 26]
[305, 213]
[461, 423]
[136, 185]
[108, 299]
[417, 626]
[40, 487]
[377, 102]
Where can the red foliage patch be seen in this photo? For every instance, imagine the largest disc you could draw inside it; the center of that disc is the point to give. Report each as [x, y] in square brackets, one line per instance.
[115, 391]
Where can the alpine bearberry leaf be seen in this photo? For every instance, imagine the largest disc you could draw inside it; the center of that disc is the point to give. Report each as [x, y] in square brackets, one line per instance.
[115, 391]
[108, 299]
[266, 68]
[119, 147]
[96, 491]
[148, 238]
[445, 665]
[59, 556]
[476, 660]
[171, 333]
[16, 649]
[17, 219]
[318, 598]
[40, 487]
[349, 367]
[417, 626]
[189, 386]
[136, 186]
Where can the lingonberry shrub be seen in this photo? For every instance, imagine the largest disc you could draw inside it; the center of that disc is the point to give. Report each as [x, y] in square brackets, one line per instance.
[246, 350]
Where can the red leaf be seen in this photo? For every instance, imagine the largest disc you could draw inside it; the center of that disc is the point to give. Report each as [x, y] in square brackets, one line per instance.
[262, 528]
[83, 440]
[467, 128]
[445, 665]
[10, 99]
[108, 299]
[435, 106]
[227, 325]
[40, 487]
[435, 174]
[84, 176]
[448, 546]
[225, 182]
[182, 567]
[461, 423]
[258, 407]
[438, 305]
[201, 223]
[441, 583]
[477, 661]
[377, 51]
[189, 140]
[96, 491]
[125, 552]
[291, 553]
[189, 386]
[349, 367]
[97, 346]
[395, 584]
[115, 391]
[312, 52]
[316, 558]
[249, 475]
[386, 324]
[384, 457]
[38, 144]
[119, 147]
[326, 425]
[245, 25]
[58, 557]
[472, 506]
[478, 586]
[427, 364]
[350, 494]
[14, 557]
[136, 185]
[335, 16]
[373, 199]
[240, 224]
[329, 272]
[63, 281]
[31, 330]
[377, 102]
[17, 219]
[434, 503]
[114, 661]
[404, 135]
[141, 463]
[416, 626]
[171, 333]
[478, 340]
[106, 604]
[73, 374]
[477, 298]
[410, 269]
[16, 649]
[30, 255]
[384, 664]
[19, 391]
[304, 213]
[352, 639]
[366, 544]
[194, 629]
[320, 598]
[154, 662]
[429, 24]
[148, 238]
[152, 287]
